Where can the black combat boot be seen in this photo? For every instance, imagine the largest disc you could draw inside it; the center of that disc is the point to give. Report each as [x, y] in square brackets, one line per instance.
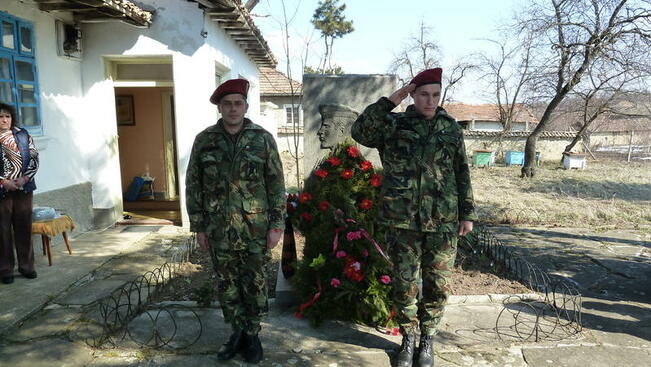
[405, 355]
[234, 344]
[426, 351]
[252, 349]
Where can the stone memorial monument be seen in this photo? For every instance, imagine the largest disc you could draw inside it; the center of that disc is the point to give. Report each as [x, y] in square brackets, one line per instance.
[331, 103]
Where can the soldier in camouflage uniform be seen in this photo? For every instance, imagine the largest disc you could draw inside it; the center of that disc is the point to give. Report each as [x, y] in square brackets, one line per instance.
[427, 202]
[236, 202]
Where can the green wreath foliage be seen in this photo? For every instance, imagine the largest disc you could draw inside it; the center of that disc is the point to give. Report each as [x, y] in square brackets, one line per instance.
[345, 271]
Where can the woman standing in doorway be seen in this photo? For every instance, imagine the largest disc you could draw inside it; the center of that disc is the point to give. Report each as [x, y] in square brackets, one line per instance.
[18, 165]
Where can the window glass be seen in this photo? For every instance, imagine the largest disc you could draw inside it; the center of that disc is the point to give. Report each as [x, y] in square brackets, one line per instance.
[18, 72]
[5, 92]
[24, 71]
[26, 40]
[8, 36]
[5, 68]
[26, 93]
[292, 117]
[28, 116]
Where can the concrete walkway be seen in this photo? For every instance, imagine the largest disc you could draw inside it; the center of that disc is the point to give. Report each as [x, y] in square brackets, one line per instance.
[40, 319]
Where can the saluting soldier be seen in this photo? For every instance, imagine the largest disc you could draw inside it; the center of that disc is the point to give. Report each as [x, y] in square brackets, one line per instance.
[427, 203]
[236, 202]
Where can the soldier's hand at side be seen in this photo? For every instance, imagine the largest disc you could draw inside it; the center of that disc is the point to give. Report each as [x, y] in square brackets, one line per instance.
[402, 93]
[273, 236]
[465, 227]
[202, 238]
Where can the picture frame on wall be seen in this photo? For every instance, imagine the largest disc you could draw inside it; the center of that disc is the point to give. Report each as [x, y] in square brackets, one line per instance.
[124, 110]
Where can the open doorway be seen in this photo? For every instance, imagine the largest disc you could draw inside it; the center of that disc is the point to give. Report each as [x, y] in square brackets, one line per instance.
[148, 162]
[144, 98]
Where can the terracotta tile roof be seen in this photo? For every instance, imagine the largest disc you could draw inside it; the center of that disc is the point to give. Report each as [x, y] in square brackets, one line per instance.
[100, 10]
[486, 112]
[275, 83]
[519, 134]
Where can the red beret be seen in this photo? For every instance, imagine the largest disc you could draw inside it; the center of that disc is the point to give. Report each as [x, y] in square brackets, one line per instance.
[239, 86]
[429, 76]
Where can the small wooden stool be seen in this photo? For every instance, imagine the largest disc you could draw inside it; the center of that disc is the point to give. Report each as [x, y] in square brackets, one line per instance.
[50, 228]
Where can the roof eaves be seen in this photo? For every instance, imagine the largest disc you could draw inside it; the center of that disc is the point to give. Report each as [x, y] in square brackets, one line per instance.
[94, 11]
[235, 19]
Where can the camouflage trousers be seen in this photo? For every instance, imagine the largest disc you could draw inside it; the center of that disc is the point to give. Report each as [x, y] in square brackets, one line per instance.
[242, 286]
[433, 253]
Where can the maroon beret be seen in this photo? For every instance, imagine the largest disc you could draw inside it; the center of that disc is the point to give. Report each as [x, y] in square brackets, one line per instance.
[239, 86]
[429, 76]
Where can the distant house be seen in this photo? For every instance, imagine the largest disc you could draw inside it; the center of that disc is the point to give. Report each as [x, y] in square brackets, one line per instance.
[283, 96]
[281, 106]
[112, 89]
[483, 131]
[486, 117]
[627, 122]
[615, 133]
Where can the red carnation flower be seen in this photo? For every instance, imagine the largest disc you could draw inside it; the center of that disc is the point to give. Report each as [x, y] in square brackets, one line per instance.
[347, 174]
[385, 279]
[366, 165]
[352, 151]
[353, 269]
[306, 216]
[324, 205]
[376, 180]
[334, 161]
[365, 204]
[321, 173]
[304, 197]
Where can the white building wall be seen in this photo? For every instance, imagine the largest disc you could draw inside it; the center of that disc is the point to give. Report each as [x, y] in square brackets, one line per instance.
[79, 141]
[177, 32]
[486, 126]
[62, 147]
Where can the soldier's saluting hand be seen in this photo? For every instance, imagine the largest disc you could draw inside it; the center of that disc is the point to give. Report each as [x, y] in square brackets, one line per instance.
[402, 93]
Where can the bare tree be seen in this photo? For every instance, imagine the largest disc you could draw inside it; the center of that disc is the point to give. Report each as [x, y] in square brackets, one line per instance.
[509, 73]
[453, 78]
[419, 53]
[422, 52]
[607, 85]
[284, 22]
[568, 36]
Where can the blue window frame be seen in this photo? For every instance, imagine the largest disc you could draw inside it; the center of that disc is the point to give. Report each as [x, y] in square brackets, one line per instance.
[18, 72]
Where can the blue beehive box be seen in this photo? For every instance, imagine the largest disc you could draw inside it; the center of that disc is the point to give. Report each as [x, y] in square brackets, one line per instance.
[513, 157]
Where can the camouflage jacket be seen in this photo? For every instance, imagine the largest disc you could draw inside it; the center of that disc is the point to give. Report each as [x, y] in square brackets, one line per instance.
[426, 185]
[235, 191]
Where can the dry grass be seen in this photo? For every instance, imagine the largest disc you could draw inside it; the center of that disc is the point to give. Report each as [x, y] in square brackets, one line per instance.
[608, 194]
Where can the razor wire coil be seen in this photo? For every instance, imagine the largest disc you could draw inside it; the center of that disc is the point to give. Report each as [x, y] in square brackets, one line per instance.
[555, 315]
[114, 314]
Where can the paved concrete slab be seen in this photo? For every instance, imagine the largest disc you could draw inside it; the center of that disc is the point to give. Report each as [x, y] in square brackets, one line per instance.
[46, 353]
[89, 251]
[511, 357]
[597, 356]
[89, 292]
[53, 322]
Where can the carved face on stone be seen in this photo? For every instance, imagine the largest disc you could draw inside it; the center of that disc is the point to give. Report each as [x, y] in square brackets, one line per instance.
[336, 121]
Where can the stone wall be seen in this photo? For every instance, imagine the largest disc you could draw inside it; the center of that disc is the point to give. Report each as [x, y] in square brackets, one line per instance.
[551, 144]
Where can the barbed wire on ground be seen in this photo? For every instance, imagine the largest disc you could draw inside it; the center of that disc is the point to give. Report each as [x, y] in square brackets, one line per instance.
[110, 319]
[554, 315]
